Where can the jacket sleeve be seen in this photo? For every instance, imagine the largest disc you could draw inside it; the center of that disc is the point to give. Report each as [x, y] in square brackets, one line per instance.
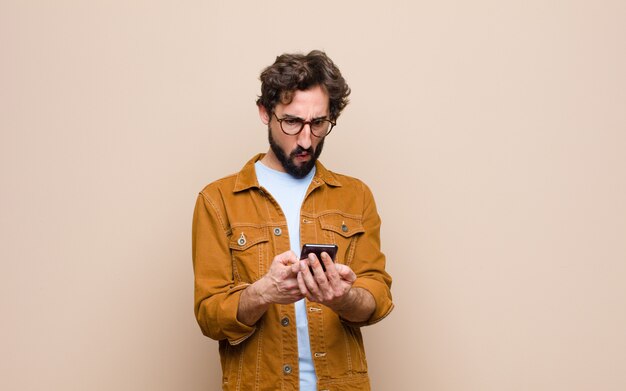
[216, 296]
[369, 262]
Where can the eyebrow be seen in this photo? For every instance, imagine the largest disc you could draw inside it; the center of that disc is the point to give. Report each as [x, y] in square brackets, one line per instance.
[302, 119]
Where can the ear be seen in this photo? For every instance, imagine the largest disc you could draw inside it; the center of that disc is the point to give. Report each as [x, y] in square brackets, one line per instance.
[265, 116]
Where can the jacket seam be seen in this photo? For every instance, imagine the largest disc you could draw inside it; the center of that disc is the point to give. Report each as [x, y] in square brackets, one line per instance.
[336, 211]
[352, 249]
[258, 357]
[239, 369]
[349, 379]
[216, 210]
[347, 342]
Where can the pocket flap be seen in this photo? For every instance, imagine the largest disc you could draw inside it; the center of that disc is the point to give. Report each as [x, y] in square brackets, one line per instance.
[244, 237]
[345, 226]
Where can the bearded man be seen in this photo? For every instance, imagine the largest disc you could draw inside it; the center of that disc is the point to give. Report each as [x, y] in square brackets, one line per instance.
[285, 323]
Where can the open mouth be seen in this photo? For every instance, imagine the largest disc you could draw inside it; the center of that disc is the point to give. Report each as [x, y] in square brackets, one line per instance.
[303, 156]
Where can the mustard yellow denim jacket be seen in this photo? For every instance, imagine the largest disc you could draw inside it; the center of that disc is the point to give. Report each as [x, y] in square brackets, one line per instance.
[238, 228]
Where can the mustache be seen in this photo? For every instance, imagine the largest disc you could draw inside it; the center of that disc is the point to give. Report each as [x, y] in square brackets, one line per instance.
[300, 150]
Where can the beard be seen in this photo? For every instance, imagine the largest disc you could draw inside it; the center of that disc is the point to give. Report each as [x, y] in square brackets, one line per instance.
[288, 162]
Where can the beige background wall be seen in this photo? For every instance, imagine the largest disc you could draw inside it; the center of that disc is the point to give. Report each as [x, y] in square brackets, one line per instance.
[492, 133]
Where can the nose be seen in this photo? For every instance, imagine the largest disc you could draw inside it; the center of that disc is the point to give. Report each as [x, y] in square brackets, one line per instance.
[304, 137]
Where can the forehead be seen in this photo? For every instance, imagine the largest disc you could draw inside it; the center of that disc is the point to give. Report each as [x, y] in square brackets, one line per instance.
[312, 102]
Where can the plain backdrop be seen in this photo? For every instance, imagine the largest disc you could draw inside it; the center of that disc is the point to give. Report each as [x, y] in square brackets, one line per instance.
[493, 134]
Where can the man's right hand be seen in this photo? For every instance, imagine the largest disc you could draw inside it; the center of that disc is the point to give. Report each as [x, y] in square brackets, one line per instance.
[279, 285]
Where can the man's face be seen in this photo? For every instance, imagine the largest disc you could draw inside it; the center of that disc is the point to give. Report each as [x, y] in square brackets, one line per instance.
[295, 155]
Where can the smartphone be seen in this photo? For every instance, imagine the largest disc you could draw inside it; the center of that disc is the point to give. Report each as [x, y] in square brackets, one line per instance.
[318, 249]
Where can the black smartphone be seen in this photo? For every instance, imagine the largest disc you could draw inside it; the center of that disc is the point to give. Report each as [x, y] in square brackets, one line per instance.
[318, 249]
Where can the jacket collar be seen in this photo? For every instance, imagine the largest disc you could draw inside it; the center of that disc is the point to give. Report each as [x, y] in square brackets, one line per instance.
[246, 178]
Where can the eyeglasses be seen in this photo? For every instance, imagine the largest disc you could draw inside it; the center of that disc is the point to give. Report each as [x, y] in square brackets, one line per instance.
[320, 127]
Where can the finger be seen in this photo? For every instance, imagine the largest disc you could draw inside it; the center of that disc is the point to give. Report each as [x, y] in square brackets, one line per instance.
[323, 287]
[345, 272]
[309, 284]
[316, 265]
[318, 272]
[291, 288]
[327, 260]
[310, 279]
[307, 270]
[291, 285]
[331, 273]
[292, 257]
[295, 267]
[287, 258]
[303, 290]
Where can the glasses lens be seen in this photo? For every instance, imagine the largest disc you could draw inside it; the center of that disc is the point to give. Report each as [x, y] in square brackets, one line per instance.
[320, 127]
[291, 125]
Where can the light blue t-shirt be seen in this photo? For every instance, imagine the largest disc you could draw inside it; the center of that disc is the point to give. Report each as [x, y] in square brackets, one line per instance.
[289, 192]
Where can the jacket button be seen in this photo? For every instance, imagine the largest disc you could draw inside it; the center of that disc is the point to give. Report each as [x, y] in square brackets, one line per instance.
[344, 228]
[277, 231]
[287, 369]
[242, 240]
[285, 321]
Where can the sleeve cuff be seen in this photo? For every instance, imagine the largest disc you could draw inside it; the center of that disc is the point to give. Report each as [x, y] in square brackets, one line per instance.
[382, 297]
[235, 331]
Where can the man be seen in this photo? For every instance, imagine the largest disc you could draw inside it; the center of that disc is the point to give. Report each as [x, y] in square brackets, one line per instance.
[283, 323]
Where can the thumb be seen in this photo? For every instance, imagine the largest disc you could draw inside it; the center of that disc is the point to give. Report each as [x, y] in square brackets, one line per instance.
[345, 272]
[295, 267]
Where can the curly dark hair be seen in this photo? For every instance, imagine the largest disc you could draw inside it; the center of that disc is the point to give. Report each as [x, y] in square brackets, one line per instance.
[293, 72]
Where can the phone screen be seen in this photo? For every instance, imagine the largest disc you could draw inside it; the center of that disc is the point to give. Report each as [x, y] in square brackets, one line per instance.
[318, 249]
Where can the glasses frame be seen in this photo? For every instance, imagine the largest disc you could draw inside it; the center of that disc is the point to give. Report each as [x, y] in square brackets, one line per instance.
[280, 123]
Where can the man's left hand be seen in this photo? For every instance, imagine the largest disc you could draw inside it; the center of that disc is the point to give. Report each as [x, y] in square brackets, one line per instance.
[331, 288]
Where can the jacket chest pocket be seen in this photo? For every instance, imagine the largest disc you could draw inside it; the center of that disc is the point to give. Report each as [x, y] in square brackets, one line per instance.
[342, 230]
[249, 249]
